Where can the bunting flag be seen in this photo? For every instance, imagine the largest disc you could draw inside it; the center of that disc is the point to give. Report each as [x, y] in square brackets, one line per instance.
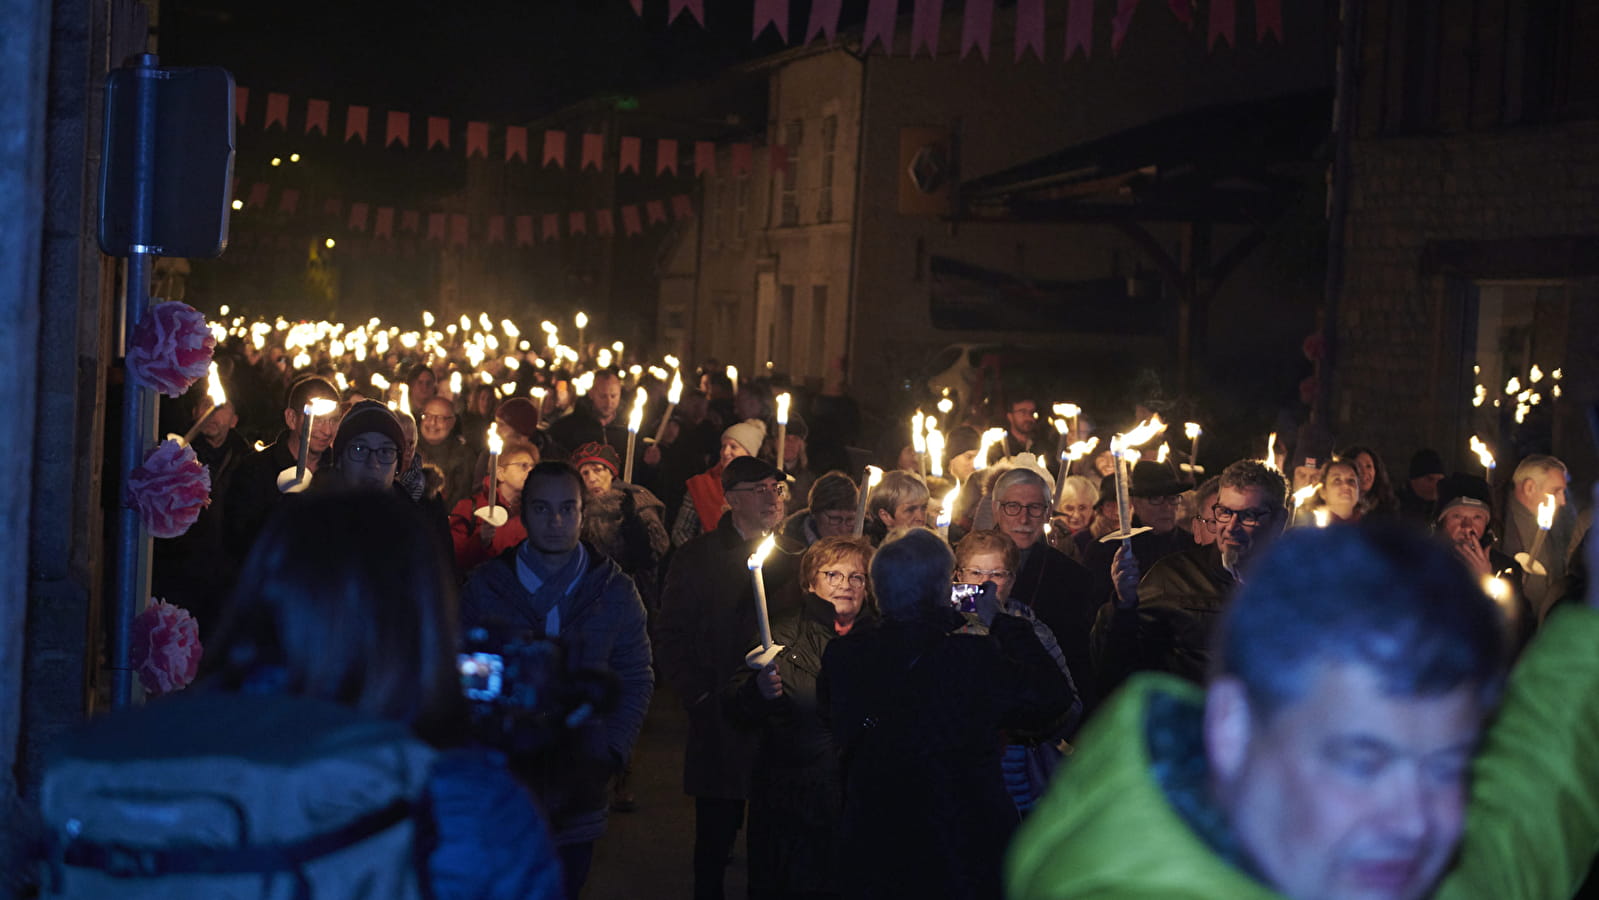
[316, 116]
[1268, 19]
[410, 221]
[277, 111]
[604, 225]
[577, 222]
[554, 148]
[742, 159]
[289, 201]
[824, 19]
[880, 25]
[780, 158]
[241, 102]
[355, 121]
[1080, 28]
[924, 27]
[552, 226]
[666, 156]
[516, 143]
[383, 227]
[593, 151]
[696, 8]
[458, 229]
[638, 7]
[630, 220]
[773, 13]
[477, 140]
[1120, 22]
[1183, 10]
[332, 207]
[1029, 28]
[439, 132]
[628, 153]
[704, 159]
[977, 28]
[1223, 23]
[496, 229]
[681, 207]
[654, 211]
[436, 226]
[258, 194]
[398, 129]
[358, 216]
[524, 231]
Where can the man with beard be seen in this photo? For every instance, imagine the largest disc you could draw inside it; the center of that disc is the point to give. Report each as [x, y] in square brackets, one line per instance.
[597, 421]
[1162, 621]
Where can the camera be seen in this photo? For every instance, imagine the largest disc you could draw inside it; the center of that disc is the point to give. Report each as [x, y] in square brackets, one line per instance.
[964, 596]
[520, 693]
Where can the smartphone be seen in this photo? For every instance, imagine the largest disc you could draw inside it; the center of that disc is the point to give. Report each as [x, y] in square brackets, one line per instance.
[1487, 539]
[964, 596]
[482, 675]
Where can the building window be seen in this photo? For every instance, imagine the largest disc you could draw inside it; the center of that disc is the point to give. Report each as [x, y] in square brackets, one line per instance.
[824, 195]
[793, 136]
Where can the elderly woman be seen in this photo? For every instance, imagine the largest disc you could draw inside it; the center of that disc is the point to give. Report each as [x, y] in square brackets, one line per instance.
[914, 707]
[1337, 492]
[1074, 512]
[624, 521]
[795, 797]
[477, 541]
[899, 501]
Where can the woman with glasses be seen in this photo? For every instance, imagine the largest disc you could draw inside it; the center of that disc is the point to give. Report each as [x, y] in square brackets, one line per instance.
[795, 798]
[476, 541]
[365, 456]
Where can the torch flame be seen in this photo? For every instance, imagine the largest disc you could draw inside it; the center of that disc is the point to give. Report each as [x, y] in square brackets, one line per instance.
[1165, 451]
[213, 387]
[1484, 455]
[379, 382]
[635, 419]
[1068, 410]
[320, 406]
[946, 507]
[673, 361]
[676, 392]
[1192, 430]
[783, 400]
[1147, 430]
[1546, 512]
[935, 452]
[990, 437]
[1321, 517]
[1271, 454]
[1081, 449]
[874, 477]
[496, 444]
[1305, 493]
[918, 437]
[758, 558]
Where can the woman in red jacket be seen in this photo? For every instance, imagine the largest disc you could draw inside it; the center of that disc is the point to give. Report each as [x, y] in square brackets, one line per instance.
[476, 541]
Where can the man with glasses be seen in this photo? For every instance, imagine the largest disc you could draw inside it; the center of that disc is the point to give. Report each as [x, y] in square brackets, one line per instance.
[1162, 621]
[366, 450]
[706, 625]
[442, 446]
[1156, 498]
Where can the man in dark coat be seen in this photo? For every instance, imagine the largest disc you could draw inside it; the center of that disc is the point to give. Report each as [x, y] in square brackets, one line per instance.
[1465, 509]
[254, 496]
[1155, 494]
[706, 626]
[597, 419]
[193, 570]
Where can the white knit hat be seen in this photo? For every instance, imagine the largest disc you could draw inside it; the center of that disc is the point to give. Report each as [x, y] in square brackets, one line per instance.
[749, 434]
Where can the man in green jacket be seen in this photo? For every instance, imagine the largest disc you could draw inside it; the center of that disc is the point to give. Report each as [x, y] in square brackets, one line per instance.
[1357, 739]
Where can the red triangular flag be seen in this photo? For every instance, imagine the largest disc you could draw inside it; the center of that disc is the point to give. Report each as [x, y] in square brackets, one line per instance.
[1223, 23]
[552, 226]
[477, 139]
[704, 158]
[435, 226]
[316, 116]
[332, 207]
[779, 158]
[458, 229]
[1268, 19]
[524, 231]
[742, 155]
[654, 211]
[695, 7]
[577, 222]
[258, 194]
[410, 221]
[277, 111]
[603, 223]
[824, 19]
[1080, 28]
[355, 120]
[496, 229]
[593, 151]
[241, 102]
[1183, 10]
[358, 216]
[666, 156]
[774, 13]
[977, 28]
[630, 221]
[924, 26]
[438, 132]
[555, 148]
[1120, 22]
[638, 7]
[515, 142]
[383, 227]
[681, 207]
[880, 25]
[1029, 28]
[289, 201]
[398, 129]
[628, 154]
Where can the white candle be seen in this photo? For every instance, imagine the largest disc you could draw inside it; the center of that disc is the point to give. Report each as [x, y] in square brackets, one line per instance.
[634, 421]
[756, 563]
[672, 397]
[783, 401]
[872, 477]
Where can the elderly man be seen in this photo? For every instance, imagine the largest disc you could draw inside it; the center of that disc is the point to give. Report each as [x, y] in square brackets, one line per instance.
[706, 626]
[1465, 508]
[1540, 479]
[442, 445]
[1162, 622]
[1057, 590]
[1342, 748]
[1156, 497]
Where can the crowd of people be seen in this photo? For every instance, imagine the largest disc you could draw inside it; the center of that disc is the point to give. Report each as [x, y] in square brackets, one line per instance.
[1007, 669]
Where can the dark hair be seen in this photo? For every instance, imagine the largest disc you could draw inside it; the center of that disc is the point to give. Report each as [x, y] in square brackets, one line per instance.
[551, 468]
[1248, 473]
[833, 491]
[1381, 496]
[303, 389]
[417, 370]
[910, 574]
[350, 597]
[1380, 596]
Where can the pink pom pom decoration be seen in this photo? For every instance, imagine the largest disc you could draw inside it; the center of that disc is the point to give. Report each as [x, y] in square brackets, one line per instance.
[169, 489]
[170, 348]
[166, 648]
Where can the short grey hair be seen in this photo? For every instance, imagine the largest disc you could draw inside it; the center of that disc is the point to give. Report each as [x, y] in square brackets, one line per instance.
[895, 490]
[1022, 475]
[1077, 486]
[910, 574]
[1536, 466]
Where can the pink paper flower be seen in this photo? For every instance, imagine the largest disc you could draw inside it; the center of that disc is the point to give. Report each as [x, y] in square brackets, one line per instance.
[169, 489]
[170, 348]
[1314, 347]
[166, 648]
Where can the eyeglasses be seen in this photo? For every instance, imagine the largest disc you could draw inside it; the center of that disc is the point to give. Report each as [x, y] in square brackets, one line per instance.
[1249, 517]
[429, 417]
[1034, 510]
[1169, 500]
[524, 466]
[978, 576]
[359, 452]
[839, 579]
[1208, 523]
[780, 491]
[838, 520]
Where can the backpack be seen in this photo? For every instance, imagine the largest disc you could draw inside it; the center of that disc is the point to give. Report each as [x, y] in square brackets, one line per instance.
[221, 796]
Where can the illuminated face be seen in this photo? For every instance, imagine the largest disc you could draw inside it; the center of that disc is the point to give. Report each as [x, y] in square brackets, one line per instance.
[511, 473]
[984, 567]
[1159, 513]
[597, 478]
[757, 506]
[1368, 472]
[369, 461]
[835, 522]
[606, 396]
[1349, 792]
[552, 510]
[962, 465]
[732, 450]
[1021, 513]
[908, 514]
[216, 427]
[1464, 524]
[323, 428]
[424, 386]
[1250, 523]
[843, 584]
[1023, 415]
[1341, 489]
[438, 417]
[1077, 510]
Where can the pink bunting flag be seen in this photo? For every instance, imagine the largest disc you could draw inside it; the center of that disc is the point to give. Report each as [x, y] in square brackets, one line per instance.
[638, 7]
[289, 201]
[552, 226]
[665, 156]
[1029, 28]
[1223, 23]
[398, 129]
[555, 148]
[410, 221]
[1080, 28]
[458, 229]
[1183, 10]
[630, 220]
[355, 122]
[577, 222]
[1120, 22]
[780, 158]
[704, 158]
[524, 231]
[1268, 19]
[628, 153]
[604, 224]
[880, 17]
[496, 229]
[436, 226]
[773, 13]
[438, 132]
[358, 216]
[241, 102]
[515, 143]
[824, 19]
[977, 27]
[383, 226]
[675, 8]
[332, 207]
[743, 155]
[258, 194]
[277, 111]
[681, 207]
[654, 211]
[924, 26]
[477, 140]
[316, 116]
[593, 151]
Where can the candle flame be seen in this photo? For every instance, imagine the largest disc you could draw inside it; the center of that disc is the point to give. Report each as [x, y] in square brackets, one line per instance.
[213, 387]
[547, 326]
[427, 319]
[513, 363]
[379, 382]
[455, 382]
[510, 329]
[946, 405]
[1165, 451]
[1546, 512]
[874, 477]
[320, 406]
[635, 419]
[1068, 410]
[259, 446]
[1147, 430]
[1321, 517]
[496, 444]
[538, 392]
[486, 377]
[1536, 375]
[1132, 457]
[1498, 589]
[758, 558]
[582, 320]
[935, 452]
[1081, 449]
[732, 375]
[672, 361]
[1513, 386]
[783, 401]
[946, 507]
[1305, 493]
[340, 380]
[405, 396]
[1271, 454]
[1192, 430]
[1556, 374]
[918, 437]
[582, 383]
[484, 321]
[1484, 455]
[1556, 391]
[990, 437]
[1061, 425]
[675, 393]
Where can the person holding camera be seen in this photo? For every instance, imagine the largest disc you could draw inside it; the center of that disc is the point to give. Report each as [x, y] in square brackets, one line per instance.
[915, 708]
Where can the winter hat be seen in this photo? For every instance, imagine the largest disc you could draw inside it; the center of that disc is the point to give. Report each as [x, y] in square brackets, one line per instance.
[797, 427]
[1461, 489]
[749, 434]
[1426, 462]
[747, 469]
[364, 417]
[1152, 479]
[521, 415]
[961, 439]
[599, 454]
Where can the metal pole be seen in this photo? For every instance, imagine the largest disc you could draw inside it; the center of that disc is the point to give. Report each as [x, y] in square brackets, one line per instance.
[138, 402]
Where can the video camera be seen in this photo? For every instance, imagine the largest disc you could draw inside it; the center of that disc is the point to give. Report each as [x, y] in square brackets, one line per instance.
[521, 693]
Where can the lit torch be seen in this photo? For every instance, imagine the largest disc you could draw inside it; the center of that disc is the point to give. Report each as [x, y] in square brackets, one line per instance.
[1121, 447]
[1484, 456]
[219, 399]
[673, 395]
[919, 442]
[935, 448]
[635, 420]
[783, 401]
[767, 652]
[990, 437]
[1193, 431]
[1546, 518]
[946, 511]
[296, 478]
[494, 514]
[873, 476]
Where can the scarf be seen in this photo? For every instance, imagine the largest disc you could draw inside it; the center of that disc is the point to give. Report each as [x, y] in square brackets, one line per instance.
[549, 586]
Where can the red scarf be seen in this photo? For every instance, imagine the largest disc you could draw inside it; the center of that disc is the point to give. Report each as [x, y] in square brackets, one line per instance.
[705, 489]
